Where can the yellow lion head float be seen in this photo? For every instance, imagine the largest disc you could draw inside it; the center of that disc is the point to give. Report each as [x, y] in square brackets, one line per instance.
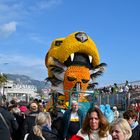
[71, 60]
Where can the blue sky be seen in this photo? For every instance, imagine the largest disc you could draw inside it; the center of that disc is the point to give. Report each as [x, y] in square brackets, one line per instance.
[27, 28]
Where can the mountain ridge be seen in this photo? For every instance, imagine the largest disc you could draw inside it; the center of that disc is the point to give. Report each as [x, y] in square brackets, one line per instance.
[26, 80]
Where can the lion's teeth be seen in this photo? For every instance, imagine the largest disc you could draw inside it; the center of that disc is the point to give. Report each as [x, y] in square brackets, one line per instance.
[72, 56]
[90, 58]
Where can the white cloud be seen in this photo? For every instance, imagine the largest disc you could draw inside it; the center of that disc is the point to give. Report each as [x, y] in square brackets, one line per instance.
[19, 10]
[21, 60]
[7, 29]
[45, 4]
[30, 66]
[10, 11]
[40, 39]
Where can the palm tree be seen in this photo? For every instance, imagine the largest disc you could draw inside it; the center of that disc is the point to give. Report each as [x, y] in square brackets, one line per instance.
[3, 79]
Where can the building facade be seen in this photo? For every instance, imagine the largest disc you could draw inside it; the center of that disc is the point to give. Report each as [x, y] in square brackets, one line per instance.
[20, 91]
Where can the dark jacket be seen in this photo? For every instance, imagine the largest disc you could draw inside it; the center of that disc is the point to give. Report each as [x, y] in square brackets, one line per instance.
[28, 123]
[32, 136]
[5, 133]
[20, 119]
[136, 133]
[58, 124]
[50, 134]
[66, 118]
[47, 134]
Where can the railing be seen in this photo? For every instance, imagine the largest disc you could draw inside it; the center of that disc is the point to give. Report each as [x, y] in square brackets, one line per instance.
[121, 100]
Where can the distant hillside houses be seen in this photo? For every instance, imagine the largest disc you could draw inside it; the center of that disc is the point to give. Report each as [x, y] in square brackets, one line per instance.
[26, 80]
[22, 92]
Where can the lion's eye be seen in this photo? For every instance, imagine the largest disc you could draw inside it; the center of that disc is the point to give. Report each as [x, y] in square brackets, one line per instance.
[58, 42]
[71, 78]
[85, 81]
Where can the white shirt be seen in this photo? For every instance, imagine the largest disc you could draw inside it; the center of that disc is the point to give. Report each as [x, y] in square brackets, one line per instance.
[74, 117]
[94, 135]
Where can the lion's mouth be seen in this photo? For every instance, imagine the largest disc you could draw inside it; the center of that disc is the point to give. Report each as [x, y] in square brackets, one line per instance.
[79, 59]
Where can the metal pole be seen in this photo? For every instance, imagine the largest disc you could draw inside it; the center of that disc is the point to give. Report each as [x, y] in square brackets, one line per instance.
[108, 99]
[117, 99]
[100, 101]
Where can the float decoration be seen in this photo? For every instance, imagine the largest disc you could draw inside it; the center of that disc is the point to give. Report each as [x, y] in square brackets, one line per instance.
[73, 62]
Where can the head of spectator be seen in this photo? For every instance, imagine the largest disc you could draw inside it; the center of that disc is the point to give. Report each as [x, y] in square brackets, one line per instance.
[95, 121]
[126, 82]
[43, 120]
[114, 108]
[55, 113]
[23, 109]
[33, 107]
[36, 100]
[116, 113]
[15, 99]
[131, 117]
[132, 106]
[13, 102]
[74, 106]
[16, 110]
[40, 107]
[120, 130]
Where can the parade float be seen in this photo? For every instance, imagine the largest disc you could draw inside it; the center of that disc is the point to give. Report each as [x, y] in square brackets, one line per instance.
[73, 65]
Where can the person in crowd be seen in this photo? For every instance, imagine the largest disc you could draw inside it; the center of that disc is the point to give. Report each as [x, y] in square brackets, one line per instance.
[23, 110]
[116, 112]
[29, 121]
[73, 119]
[14, 109]
[41, 107]
[57, 121]
[42, 129]
[120, 129]
[138, 109]
[102, 108]
[115, 88]
[12, 102]
[131, 117]
[76, 137]
[95, 126]
[107, 112]
[8, 123]
[55, 113]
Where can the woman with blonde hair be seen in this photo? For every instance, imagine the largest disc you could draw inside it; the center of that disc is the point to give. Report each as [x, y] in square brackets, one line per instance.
[42, 129]
[120, 130]
[95, 126]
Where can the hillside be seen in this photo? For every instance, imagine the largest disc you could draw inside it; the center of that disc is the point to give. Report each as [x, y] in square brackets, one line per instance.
[23, 79]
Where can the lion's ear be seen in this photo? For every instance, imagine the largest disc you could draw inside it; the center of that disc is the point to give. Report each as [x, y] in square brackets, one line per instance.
[97, 71]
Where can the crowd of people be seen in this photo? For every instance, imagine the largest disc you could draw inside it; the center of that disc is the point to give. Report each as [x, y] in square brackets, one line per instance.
[126, 95]
[33, 122]
[119, 88]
